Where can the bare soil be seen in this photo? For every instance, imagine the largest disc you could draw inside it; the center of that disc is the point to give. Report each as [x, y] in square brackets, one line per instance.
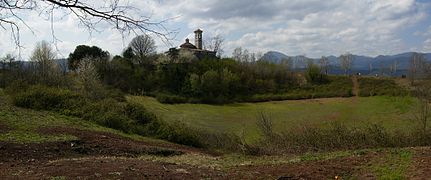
[421, 166]
[101, 155]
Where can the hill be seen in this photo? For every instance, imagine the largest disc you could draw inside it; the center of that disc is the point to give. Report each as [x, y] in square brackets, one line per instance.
[360, 63]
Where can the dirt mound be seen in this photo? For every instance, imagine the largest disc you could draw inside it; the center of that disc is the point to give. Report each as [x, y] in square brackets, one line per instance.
[104, 142]
[89, 143]
[108, 168]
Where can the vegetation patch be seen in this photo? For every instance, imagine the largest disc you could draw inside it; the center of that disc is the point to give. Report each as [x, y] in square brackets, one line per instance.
[379, 87]
[393, 165]
[287, 116]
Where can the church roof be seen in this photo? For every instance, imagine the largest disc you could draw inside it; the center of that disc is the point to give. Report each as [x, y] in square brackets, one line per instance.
[188, 45]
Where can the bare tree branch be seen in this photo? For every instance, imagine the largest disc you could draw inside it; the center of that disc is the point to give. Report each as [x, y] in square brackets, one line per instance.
[124, 18]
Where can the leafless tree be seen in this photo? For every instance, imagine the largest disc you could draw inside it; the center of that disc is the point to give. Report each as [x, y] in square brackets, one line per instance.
[346, 61]
[142, 47]
[44, 66]
[393, 68]
[416, 65]
[89, 80]
[259, 56]
[324, 64]
[215, 44]
[7, 61]
[237, 54]
[43, 55]
[117, 13]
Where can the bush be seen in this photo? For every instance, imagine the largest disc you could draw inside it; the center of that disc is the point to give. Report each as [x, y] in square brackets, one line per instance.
[109, 112]
[170, 98]
[44, 98]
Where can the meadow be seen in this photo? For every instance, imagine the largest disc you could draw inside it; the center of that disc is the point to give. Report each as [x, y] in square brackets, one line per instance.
[393, 113]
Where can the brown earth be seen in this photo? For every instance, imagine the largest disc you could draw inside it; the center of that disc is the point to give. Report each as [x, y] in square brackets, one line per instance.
[421, 168]
[323, 169]
[101, 155]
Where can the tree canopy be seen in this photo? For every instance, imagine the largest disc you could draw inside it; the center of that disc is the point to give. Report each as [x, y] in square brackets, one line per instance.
[84, 51]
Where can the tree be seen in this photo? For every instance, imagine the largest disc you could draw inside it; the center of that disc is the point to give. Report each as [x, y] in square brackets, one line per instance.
[417, 60]
[346, 61]
[314, 74]
[88, 79]
[324, 64]
[237, 54]
[142, 46]
[116, 13]
[215, 44]
[45, 68]
[128, 53]
[393, 68]
[83, 51]
[7, 62]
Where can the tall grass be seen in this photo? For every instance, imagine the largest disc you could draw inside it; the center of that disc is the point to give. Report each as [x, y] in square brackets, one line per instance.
[333, 138]
[379, 87]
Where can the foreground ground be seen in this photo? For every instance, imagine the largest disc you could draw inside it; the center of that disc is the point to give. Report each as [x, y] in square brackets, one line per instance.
[103, 155]
[45, 145]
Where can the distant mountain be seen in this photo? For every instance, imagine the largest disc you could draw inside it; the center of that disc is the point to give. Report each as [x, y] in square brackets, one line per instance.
[62, 64]
[360, 63]
[274, 56]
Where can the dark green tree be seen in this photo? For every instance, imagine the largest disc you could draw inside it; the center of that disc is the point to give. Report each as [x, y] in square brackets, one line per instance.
[83, 51]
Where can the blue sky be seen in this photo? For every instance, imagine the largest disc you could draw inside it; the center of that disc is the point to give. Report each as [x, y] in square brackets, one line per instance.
[294, 27]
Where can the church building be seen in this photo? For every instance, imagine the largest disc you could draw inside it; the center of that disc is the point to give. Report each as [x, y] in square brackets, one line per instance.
[196, 48]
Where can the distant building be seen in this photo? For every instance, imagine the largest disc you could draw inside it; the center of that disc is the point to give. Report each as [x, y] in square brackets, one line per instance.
[196, 48]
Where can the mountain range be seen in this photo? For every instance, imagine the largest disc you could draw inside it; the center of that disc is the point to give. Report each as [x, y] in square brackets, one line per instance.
[359, 64]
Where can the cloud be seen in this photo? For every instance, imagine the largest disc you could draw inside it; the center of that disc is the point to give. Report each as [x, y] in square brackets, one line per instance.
[308, 27]
[311, 27]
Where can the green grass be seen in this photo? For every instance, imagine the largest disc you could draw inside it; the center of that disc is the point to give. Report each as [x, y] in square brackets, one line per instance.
[391, 112]
[394, 165]
[23, 125]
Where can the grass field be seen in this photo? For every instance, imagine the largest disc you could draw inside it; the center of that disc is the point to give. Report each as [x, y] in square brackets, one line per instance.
[24, 125]
[395, 113]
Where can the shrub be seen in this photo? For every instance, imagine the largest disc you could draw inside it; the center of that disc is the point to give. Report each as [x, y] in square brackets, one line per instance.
[170, 98]
[109, 112]
[44, 98]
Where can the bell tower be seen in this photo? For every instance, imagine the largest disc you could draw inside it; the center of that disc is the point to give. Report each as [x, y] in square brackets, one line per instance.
[198, 38]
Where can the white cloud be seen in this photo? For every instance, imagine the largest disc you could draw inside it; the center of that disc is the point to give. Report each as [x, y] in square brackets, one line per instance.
[311, 27]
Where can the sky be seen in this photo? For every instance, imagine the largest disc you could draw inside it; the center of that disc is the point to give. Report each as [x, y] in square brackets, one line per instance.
[295, 27]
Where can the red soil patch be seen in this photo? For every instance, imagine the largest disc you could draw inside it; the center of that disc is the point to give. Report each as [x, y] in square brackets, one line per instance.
[105, 141]
[324, 169]
[107, 168]
[89, 143]
[421, 164]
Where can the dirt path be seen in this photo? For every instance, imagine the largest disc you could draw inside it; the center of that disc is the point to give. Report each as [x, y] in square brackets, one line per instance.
[355, 88]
